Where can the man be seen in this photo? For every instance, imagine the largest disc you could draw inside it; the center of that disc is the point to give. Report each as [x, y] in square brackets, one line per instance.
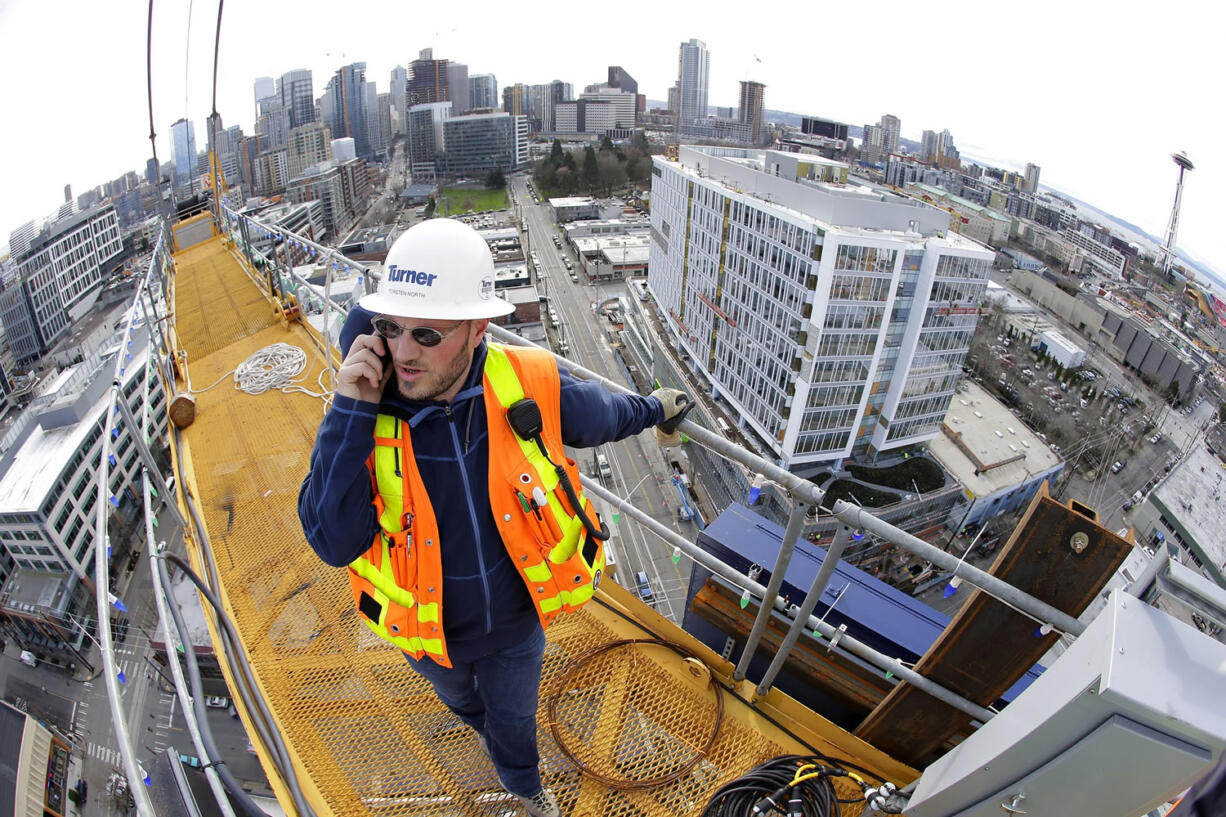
[438, 477]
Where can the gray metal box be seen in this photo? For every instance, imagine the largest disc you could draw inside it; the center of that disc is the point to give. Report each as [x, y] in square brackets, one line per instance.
[1130, 715]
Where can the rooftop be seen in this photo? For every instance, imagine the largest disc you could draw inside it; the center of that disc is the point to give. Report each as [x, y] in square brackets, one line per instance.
[993, 434]
[1192, 495]
[37, 463]
[573, 201]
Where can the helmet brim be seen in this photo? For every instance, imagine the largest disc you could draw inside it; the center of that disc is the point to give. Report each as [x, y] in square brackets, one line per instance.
[380, 304]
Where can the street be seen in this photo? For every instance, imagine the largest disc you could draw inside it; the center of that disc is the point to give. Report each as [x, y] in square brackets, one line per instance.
[639, 471]
[78, 710]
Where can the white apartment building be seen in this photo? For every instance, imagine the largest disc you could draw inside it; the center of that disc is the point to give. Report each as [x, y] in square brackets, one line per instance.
[622, 102]
[1108, 260]
[833, 319]
[60, 268]
[50, 462]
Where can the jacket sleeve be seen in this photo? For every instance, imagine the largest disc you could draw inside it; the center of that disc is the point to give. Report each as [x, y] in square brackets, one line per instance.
[334, 503]
[592, 415]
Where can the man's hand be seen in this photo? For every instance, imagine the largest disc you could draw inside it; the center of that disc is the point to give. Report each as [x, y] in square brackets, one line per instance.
[362, 374]
[676, 404]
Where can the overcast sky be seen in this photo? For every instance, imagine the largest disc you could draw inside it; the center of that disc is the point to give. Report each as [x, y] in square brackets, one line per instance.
[1098, 95]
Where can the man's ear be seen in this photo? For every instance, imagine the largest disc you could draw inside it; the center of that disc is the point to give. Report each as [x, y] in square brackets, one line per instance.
[477, 331]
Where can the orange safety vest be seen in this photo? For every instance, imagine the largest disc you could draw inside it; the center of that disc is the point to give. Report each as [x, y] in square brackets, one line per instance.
[398, 582]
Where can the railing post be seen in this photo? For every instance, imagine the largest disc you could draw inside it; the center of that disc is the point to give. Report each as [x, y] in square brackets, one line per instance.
[791, 534]
[841, 537]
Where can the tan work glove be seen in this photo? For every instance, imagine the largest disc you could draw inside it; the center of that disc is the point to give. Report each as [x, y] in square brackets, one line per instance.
[676, 404]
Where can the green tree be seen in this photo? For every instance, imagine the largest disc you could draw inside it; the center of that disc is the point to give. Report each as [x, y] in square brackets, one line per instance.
[640, 143]
[591, 173]
[606, 144]
[556, 155]
[496, 179]
[430, 205]
[611, 172]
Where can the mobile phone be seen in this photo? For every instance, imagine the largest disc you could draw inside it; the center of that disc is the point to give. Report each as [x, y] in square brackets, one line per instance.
[385, 358]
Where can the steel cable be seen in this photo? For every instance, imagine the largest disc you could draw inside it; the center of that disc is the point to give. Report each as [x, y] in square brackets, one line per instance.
[622, 784]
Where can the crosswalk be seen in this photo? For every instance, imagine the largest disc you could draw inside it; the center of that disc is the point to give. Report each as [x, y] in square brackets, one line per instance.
[161, 729]
[107, 754]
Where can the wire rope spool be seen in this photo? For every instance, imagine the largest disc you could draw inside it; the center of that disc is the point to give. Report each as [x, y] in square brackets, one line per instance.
[182, 410]
[562, 694]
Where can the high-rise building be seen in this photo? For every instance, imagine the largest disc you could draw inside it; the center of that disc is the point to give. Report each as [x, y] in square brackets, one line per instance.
[750, 110]
[297, 94]
[674, 98]
[1032, 177]
[374, 124]
[262, 89]
[479, 143]
[693, 65]
[872, 146]
[345, 111]
[400, 97]
[426, 138]
[428, 79]
[151, 170]
[308, 145]
[482, 91]
[48, 483]
[620, 78]
[273, 126]
[383, 104]
[623, 102]
[457, 87]
[59, 266]
[892, 127]
[515, 99]
[183, 149]
[831, 328]
[945, 145]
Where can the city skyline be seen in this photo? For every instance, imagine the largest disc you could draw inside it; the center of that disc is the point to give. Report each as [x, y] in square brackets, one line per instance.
[1086, 140]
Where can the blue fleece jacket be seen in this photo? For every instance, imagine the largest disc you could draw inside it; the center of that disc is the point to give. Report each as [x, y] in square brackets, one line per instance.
[485, 604]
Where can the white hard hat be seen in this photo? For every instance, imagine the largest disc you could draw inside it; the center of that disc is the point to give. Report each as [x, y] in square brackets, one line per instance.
[442, 269]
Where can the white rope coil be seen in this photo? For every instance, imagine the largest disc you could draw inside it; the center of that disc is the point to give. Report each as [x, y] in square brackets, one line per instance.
[273, 367]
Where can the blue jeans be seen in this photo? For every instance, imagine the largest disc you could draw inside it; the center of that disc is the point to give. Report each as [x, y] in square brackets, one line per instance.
[496, 695]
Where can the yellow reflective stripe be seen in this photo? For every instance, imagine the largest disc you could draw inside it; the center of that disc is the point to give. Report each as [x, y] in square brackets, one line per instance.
[427, 612]
[433, 646]
[538, 572]
[581, 594]
[508, 390]
[390, 487]
[551, 604]
[383, 584]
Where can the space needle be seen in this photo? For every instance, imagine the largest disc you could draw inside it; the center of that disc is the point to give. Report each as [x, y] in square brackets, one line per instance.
[1168, 247]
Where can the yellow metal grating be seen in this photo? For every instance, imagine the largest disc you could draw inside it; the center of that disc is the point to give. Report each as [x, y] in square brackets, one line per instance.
[364, 732]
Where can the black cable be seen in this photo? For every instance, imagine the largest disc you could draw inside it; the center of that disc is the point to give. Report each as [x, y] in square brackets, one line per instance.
[789, 785]
[216, 51]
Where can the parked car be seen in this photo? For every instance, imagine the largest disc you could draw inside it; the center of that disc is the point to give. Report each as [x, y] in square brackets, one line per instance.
[643, 586]
[1117, 467]
[602, 467]
[216, 702]
[190, 760]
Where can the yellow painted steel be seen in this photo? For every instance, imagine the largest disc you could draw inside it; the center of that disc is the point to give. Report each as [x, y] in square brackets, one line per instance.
[364, 733]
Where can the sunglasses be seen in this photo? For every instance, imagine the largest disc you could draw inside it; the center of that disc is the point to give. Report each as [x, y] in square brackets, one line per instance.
[422, 335]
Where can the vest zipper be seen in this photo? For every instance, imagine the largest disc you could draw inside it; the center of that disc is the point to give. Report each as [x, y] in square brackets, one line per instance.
[472, 516]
